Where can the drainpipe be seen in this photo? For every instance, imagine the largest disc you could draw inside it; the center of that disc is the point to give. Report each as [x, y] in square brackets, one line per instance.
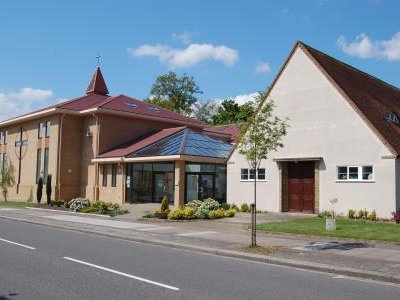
[96, 166]
[58, 180]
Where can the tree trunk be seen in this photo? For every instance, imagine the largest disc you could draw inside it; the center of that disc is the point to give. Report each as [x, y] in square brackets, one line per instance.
[254, 214]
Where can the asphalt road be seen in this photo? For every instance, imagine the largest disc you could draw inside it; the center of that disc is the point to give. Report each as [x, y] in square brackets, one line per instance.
[38, 262]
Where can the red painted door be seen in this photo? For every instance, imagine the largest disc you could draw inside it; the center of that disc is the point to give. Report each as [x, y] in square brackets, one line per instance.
[301, 186]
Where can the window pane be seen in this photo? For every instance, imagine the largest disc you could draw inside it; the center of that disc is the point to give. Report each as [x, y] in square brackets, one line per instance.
[5, 137]
[353, 173]
[252, 174]
[47, 128]
[163, 167]
[46, 164]
[244, 174]
[38, 163]
[367, 173]
[105, 167]
[192, 167]
[1, 137]
[261, 174]
[40, 130]
[342, 173]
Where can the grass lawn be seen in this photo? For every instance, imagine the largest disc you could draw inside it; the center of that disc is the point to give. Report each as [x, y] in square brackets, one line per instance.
[16, 203]
[357, 229]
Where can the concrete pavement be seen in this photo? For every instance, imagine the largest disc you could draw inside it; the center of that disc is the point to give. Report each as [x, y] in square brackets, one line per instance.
[230, 237]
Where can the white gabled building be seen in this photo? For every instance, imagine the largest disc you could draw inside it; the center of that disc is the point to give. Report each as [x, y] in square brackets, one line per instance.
[343, 141]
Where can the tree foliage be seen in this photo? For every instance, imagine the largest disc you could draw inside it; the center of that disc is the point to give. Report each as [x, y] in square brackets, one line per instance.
[174, 93]
[205, 111]
[263, 134]
[7, 178]
[230, 112]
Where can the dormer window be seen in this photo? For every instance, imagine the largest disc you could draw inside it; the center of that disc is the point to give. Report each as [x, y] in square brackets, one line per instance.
[392, 118]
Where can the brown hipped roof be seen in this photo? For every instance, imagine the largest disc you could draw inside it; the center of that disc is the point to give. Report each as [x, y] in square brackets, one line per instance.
[371, 97]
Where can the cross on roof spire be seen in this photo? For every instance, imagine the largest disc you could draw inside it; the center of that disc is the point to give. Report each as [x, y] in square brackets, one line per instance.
[98, 59]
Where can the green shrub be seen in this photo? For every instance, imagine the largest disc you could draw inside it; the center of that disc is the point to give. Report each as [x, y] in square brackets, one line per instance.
[234, 206]
[225, 206]
[373, 216]
[148, 216]
[105, 207]
[351, 214]
[325, 214]
[194, 204]
[89, 209]
[230, 212]
[210, 204]
[182, 213]
[56, 203]
[39, 189]
[78, 203]
[164, 204]
[244, 207]
[362, 214]
[48, 189]
[217, 214]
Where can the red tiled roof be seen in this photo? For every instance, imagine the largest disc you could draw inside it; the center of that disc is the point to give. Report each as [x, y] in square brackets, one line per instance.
[83, 103]
[229, 130]
[140, 143]
[372, 97]
[124, 103]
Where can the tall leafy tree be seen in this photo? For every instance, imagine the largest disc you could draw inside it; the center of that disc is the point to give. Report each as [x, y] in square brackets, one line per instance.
[174, 92]
[264, 133]
[230, 112]
[7, 178]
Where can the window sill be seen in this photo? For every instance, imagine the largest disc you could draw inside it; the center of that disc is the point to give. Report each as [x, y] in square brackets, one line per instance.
[252, 180]
[355, 181]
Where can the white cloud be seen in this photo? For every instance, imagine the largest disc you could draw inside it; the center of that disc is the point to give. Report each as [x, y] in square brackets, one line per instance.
[240, 99]
[262, 68]
[23, 101]
[188, 57]
[185, 37]
[364, 47]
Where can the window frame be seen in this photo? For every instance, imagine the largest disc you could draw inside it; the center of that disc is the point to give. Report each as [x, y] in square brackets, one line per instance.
[250, 174]
[360, 173]
[38, 163]
[40, 130]
[47, 129]
[46, 164]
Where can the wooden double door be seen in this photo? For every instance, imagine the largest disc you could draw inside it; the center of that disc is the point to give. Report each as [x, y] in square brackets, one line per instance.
[301, 186]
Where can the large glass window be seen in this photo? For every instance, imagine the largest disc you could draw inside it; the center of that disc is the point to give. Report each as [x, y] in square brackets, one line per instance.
[205, 181]
[47, 134]
[149, 182]
[355, 173]
[40, 130]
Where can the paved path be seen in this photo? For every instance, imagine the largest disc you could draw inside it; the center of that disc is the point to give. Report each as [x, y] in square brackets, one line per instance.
[231, 237]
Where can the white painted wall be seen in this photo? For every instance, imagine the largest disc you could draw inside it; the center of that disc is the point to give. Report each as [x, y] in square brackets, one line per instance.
[322, 124]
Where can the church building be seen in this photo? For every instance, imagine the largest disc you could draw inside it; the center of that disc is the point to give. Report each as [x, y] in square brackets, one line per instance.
[115, 148]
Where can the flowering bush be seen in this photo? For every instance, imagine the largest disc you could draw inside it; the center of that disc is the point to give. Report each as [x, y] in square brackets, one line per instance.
[182, 213]
[210, 204]
[78, 203]
[194, 204]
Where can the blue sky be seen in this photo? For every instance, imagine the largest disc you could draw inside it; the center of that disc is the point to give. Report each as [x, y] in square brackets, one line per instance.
[49, 48]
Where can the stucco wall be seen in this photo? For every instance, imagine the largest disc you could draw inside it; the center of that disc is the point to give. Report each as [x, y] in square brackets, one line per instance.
[322, 124]
[109, 193]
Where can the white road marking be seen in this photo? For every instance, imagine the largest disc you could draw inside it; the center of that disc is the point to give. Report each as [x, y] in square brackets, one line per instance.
[123, 274]
[196, 233]
[18, 244]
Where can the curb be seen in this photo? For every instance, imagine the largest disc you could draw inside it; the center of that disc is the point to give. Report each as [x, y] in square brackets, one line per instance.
[351, 272]
[68, 212]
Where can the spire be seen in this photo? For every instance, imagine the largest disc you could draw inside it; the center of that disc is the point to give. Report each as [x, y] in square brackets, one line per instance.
[97, 84]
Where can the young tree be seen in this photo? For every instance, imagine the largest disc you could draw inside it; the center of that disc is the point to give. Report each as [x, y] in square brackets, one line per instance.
[174, 93]
[263, 134]
[7, 178]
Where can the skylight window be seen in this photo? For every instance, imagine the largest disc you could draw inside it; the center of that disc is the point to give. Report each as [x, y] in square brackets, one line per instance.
[152, 108]
[392, 118]
[130, 104]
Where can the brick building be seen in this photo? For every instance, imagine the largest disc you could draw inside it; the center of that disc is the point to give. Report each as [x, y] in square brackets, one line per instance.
[115, 148]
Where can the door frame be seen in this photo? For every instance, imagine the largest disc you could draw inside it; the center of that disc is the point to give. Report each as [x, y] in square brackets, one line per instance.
[199, 174]
[284, 183]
